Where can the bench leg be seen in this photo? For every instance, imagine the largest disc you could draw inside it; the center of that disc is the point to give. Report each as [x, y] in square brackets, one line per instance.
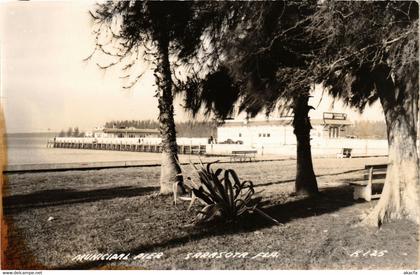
[362, 192]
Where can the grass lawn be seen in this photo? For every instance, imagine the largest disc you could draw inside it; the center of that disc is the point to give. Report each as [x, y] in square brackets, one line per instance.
[54, 216]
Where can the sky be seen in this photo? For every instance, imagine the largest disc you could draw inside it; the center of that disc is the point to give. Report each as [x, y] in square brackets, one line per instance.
[46, 86]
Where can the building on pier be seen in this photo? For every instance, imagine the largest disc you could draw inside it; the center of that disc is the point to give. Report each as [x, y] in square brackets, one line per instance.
[279, 131]
[130, 132]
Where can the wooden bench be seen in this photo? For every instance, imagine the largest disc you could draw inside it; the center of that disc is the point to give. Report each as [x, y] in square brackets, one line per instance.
[345, 153]
[370, 187]
[243, 155]
[198, 150]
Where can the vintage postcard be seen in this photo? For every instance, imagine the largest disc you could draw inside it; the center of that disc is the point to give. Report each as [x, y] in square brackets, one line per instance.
[204, 135]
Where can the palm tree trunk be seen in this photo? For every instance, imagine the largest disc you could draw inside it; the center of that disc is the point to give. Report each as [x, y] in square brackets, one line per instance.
[305, 183]
[170, 177]
[400, 194]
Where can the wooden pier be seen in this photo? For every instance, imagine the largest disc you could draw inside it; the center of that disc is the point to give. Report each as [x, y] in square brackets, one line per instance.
[113, 145]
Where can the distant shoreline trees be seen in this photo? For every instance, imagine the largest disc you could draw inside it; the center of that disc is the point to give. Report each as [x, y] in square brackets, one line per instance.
[366, 129]
[71, 132]
[362, 129]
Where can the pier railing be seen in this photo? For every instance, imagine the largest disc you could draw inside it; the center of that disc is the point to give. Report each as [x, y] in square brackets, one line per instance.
[152, 145]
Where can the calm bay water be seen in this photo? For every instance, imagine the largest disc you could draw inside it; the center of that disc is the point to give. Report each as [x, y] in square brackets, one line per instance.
[32, 148]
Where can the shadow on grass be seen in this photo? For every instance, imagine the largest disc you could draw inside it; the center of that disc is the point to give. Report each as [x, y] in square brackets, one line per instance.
[329, 200]
[54, 197]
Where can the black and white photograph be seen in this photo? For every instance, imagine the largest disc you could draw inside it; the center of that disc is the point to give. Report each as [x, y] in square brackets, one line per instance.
[210, 135]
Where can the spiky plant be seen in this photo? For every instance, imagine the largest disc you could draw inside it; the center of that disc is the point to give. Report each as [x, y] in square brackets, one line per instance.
[223, 195]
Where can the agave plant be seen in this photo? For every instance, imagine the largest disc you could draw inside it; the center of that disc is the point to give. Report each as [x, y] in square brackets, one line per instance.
[223, 194]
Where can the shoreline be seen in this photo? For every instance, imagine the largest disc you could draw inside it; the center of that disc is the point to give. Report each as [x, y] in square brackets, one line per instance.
[51, 167]
[78, 166]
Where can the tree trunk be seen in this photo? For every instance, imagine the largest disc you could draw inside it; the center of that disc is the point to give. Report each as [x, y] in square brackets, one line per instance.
[170, 177]
[305, 183]
[400, 194]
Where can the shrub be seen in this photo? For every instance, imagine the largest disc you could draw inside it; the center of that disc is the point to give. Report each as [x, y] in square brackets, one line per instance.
[223, 195]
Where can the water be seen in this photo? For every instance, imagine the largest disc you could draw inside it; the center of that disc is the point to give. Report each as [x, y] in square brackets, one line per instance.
[32, 149]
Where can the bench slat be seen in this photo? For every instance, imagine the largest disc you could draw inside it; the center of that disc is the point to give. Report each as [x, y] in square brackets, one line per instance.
[375, 176]
[364, 183]
[358, 183]
[376, 166]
